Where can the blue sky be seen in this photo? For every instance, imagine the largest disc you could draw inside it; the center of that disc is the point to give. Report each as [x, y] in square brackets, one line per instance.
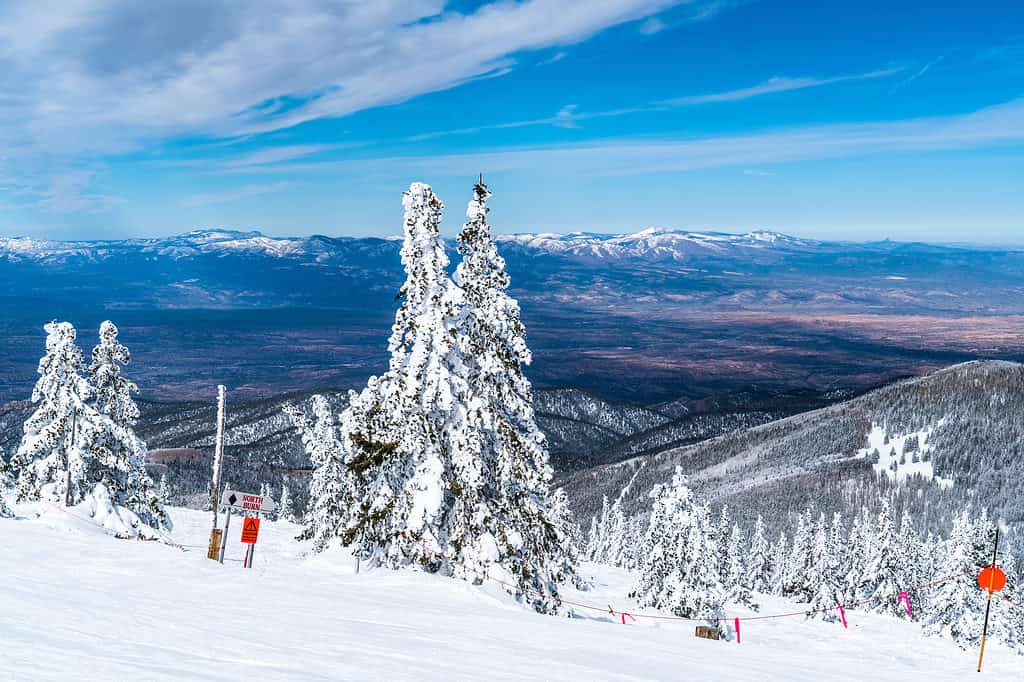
[858, 120]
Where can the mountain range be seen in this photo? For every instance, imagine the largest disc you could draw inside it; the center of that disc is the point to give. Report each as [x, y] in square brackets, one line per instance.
[651, 316]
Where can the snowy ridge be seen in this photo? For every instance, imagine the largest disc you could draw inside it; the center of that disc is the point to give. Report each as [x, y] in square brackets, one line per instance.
[655, 242]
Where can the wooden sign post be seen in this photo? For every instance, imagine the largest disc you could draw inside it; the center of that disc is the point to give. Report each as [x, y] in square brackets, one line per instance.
[213, 552]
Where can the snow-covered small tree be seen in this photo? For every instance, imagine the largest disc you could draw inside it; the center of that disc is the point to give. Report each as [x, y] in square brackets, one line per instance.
[883, 581]
[955, 607]
[856, 565]
[824, 574]
[331, 487]
[796, 582]
[780, 563]
[679, 570]
[285, 508]
[760, 561]
[737, 582]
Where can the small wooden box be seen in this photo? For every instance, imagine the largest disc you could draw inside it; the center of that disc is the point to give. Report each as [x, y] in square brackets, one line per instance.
[213, 552]
[704, 632]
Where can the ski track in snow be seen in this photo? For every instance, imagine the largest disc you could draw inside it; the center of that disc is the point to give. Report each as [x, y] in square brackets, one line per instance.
[76, 603]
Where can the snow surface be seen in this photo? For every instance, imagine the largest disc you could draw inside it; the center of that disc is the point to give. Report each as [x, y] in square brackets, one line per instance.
[893, 451]
[76, 603]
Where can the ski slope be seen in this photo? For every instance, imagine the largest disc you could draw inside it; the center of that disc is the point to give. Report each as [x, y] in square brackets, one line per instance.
[76, 603]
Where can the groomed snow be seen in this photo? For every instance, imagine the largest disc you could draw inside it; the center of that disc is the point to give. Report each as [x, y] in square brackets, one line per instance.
[76, 603]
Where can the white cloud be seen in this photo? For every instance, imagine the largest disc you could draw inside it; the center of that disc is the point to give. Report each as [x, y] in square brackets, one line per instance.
[94, 77]
[776, 85]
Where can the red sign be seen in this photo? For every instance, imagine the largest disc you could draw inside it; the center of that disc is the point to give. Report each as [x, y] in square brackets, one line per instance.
[992, 578]
[250, 531]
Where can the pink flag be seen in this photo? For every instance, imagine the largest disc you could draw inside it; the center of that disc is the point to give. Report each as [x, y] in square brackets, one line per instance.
[842, 614]
[737, 624]
[624, 614]
[905, 598]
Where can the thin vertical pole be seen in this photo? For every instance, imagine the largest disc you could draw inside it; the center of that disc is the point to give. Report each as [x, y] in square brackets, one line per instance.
[218, 453]
[988, 607]
[224, 539]
[252, 553]
[67, 456]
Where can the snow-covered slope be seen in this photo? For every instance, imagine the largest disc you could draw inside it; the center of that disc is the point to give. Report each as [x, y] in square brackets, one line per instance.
[75, 603]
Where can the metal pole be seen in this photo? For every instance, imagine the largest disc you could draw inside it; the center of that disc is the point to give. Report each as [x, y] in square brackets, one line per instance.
[252, 553]
[224, 540]
[988, 607]
[67, 456]
[218, 453]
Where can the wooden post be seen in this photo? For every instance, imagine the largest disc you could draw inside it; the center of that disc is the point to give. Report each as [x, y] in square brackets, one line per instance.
[988, 607]
[218, 453]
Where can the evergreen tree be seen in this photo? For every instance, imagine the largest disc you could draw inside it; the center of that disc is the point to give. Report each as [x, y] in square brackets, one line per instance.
[780, 563]
[127, 480]
[955, 607]
[883, 580]
[760, 564]
[796, 581]
[285, 509]
[510, 472]
[679, 570]
[331, 487]
[824, 580]
[52, 457]
[738, 583]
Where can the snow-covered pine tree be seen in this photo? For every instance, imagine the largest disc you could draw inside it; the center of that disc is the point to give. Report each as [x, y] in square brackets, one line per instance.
[331, 487]
[720, 536]
[285, 508]
[883, 581]
[127, 480]
[910, 556]
[738, 583]
[680, 557]
[504, 503]
[598, 543]
[955, 607]
[164, 489]
[823, 578]
[760, 562]
[780, 563]
[854, 579]
[796, 583]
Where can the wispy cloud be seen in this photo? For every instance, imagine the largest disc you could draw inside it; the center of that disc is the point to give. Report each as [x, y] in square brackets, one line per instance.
[570, 117]
[1002, 124]
[243, 192]
[776, 85]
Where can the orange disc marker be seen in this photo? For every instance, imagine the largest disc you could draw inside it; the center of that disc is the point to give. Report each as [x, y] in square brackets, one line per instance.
[992, 578]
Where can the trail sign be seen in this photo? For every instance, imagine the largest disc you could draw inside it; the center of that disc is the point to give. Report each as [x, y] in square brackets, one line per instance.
[250, 531]
[232, 499]
[992, 579]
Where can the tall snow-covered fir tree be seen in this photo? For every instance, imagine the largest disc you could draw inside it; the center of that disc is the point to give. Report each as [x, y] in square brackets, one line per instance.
[285, 506]
[453, 470]
[512, 471]
[128, 482]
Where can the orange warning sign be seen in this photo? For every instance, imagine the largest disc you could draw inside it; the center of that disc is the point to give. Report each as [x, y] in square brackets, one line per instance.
[992, 578]
[250, 530]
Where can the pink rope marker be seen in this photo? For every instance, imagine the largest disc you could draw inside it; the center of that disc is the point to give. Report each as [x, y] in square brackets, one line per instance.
[842, 614]
[624, 614]
[905, 598]
[737, 624]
